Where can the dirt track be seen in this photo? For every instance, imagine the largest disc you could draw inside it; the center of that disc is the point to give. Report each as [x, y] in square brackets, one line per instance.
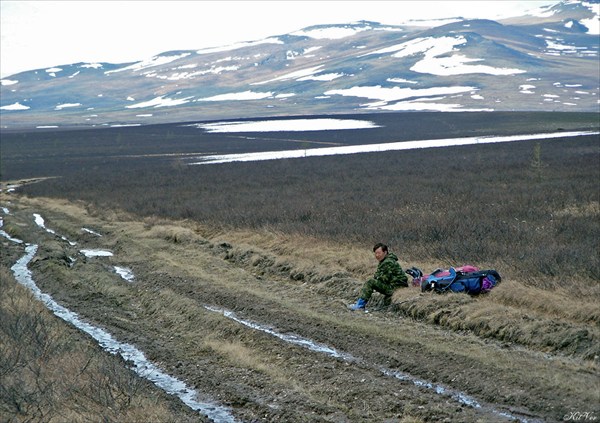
[187, 279]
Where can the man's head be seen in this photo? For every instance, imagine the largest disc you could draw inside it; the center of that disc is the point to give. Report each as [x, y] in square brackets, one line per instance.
[380, 250]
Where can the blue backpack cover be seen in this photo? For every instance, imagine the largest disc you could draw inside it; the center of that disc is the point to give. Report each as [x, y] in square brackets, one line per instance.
[467, 280]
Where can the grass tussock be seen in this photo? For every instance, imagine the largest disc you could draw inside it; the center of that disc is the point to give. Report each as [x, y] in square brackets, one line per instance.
[52, 373]
[238, 353]
[173, 233]
[488, 317]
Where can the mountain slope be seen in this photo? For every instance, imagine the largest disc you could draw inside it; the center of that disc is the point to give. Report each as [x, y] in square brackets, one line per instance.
[544, 61]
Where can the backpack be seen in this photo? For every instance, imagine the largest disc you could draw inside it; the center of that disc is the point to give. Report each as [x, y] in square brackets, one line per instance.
[466, 279]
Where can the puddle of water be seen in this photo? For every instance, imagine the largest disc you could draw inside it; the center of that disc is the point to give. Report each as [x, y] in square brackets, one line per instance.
[39, 220]
[96, 253]
[458, 396]
[292, 339]
[124, 272]
[7, 236]
[4, 233]
[130, 353]
[90, 231]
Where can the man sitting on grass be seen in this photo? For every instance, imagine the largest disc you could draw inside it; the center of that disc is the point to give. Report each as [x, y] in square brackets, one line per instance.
[388, 277]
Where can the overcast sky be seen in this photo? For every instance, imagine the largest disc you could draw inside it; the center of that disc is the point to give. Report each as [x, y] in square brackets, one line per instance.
[43, 34]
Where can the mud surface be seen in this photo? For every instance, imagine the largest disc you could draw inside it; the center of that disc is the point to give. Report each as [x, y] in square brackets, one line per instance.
[251, 332]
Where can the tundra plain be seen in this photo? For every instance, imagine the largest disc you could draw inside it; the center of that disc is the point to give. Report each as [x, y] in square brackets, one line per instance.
[238, 266]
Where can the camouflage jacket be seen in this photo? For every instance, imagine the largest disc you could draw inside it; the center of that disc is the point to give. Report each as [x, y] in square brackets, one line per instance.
[390, 273]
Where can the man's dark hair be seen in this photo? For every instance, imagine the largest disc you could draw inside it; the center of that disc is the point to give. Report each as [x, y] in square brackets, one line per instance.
[383, 247]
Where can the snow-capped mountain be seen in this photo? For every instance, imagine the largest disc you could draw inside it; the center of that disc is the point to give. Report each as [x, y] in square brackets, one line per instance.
[547, 60]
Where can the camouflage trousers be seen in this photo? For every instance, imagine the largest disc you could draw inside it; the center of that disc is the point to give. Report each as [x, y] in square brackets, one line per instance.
[375, 285]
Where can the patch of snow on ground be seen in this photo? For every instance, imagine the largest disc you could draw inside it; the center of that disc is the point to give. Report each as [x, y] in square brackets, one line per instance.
[371, 148]
[8, 82]
[286, 125]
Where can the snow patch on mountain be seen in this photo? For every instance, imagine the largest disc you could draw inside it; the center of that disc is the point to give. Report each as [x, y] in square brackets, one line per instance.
[434, 47]
[66, 106]
[396, 93]
[175, 76]
[245, 95]
[401, 81]
[161, 101]
[92, 66]
[272, 40]
[424, 105]
[418, 99]
[592, 24]
[322, 77]
[526, 89]
[302, 73]
[331, 33]
[15, 106]
[52, 71]
[153, 61]
[458, 65]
